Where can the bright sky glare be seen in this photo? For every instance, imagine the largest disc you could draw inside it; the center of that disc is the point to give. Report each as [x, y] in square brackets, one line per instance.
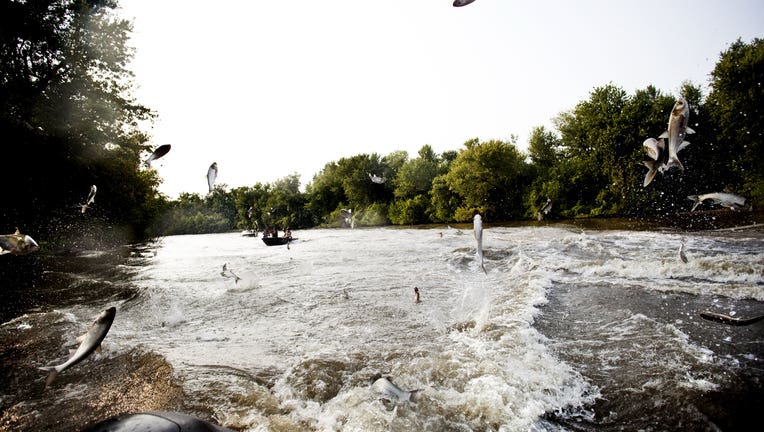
[270, 88]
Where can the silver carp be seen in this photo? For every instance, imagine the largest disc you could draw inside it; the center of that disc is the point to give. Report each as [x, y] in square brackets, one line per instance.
[90, 342]
[17, 244]
[725, 199]
[387, 390]
[477, 225]
[90, 199]
[212, 174]
[677, 130]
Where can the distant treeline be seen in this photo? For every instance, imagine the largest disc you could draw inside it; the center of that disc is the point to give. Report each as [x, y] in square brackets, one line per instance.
[69, 120]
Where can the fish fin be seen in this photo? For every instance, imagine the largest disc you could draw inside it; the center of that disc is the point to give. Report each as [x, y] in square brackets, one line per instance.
[696, 200]
[99, 349]
[682, 145]
[664, 135]
[414, 395]
[661, 144]
[688, 130]
[52, 374]
[674, 161]
[81, 338]
[650, 174]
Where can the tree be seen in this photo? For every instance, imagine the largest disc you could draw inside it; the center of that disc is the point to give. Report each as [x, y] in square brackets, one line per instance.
[490, 178]
[735, 106]
[65, 94]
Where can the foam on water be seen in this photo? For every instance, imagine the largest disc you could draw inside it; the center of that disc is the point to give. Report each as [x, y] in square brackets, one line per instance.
[293, 344]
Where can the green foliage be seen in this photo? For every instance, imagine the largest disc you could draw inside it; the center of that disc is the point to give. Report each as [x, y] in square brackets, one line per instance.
[490, 177]
[735, 106]
[65, 104]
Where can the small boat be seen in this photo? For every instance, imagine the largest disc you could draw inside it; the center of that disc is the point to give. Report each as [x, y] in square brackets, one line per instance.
[277, 241]
[249, 233]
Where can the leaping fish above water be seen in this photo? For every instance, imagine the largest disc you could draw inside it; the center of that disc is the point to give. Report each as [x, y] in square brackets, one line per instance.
[677, 129]
[90, 342]
[725, 199]
[90, 199]
[477, 223]
[159, 152]
[212, 174]
[227, 273]
[459, 3]
[17, 244]
[377, 179]
[682, 255]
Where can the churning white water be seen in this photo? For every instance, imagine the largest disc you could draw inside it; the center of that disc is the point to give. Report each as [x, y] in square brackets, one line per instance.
[568, 329]
[313, 322]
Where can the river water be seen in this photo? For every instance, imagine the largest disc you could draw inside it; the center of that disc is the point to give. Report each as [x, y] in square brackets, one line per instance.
[568, 329]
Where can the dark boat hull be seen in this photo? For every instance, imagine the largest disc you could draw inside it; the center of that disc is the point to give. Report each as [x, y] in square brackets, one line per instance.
[277, 241]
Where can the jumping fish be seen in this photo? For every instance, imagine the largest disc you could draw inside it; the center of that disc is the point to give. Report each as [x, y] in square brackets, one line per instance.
[377, 179]
[416, 295]
[90, 342]
[459, 3]
[725, 199]
[212, 174]
[655, 149]
[477, 222]
[677, 129]
[90, 199]
[159, 152]
[17, 244]
[544, 210]
[682, 255]
[391, 392]
[227, 273]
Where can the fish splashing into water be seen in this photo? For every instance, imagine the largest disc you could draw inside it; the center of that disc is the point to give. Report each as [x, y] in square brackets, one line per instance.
[391, 392]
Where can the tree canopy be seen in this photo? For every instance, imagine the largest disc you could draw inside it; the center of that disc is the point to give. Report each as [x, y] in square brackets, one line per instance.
[70, 121]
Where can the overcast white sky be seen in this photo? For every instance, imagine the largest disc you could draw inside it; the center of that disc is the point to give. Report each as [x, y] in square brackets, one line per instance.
[269, 88]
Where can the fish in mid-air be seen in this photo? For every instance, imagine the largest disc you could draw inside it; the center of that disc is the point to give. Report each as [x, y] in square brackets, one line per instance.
[655, 149]
[377, 179]
[212, 174]
[347, 217]
[391, 392]
[725, 199]
[677, 130]
[89, 342]
[459, 3]
[227, 273]
[682, 255]
[416, 295]
[477, 224]
[90, 199]
[159, 152]
[17, 244]
[544, 210]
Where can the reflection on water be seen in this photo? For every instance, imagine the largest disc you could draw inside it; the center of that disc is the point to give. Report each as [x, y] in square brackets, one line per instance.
[570, 329]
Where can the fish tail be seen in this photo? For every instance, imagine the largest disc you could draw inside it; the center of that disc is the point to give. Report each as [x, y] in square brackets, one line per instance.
[674, 161]
[696, 201]
[651, 173]
[414, 395]
[52, 374]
